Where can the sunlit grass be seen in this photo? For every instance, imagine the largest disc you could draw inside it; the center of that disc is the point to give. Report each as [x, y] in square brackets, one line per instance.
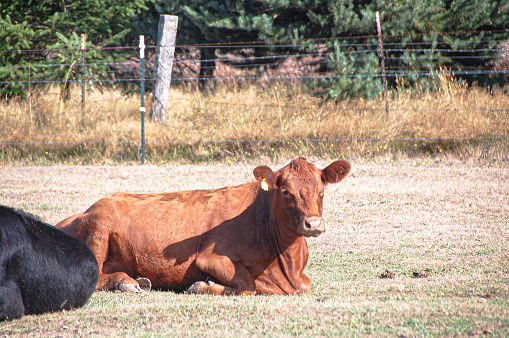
[447, 218]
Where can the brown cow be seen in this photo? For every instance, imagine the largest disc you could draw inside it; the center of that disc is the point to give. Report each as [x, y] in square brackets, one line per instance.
[246, 239]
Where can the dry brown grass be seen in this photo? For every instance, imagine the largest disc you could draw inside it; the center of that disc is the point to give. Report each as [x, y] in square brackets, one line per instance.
[198, 121]
[449, 219]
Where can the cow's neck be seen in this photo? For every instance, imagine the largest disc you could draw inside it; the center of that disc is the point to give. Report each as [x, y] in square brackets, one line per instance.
[290, 249]
[292, 261]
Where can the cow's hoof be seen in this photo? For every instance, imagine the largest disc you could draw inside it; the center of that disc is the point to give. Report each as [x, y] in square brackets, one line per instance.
[199, 287]
[195, 288]
[135, 288]
[144, 283]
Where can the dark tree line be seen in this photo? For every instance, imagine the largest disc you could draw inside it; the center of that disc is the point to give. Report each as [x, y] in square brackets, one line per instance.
[342, 25]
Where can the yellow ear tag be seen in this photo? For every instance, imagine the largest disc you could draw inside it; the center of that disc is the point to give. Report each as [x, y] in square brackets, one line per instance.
[265, 186]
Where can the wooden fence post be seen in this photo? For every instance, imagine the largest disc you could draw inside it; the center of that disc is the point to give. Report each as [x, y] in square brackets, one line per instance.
[166, 38]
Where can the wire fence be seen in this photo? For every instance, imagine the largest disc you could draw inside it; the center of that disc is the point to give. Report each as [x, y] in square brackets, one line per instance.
[281, 61]
[402, 59]
[40, 72]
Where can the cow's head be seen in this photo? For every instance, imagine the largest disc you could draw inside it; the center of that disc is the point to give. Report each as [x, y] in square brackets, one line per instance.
[299, 196]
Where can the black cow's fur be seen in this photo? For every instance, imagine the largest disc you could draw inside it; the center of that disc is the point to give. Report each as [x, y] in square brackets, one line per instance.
[42, 269]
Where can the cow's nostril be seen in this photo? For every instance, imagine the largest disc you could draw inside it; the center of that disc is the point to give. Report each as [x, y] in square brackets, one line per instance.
[313, 224]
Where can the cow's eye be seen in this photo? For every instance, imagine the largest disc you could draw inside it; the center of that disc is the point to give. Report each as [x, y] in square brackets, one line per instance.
[285, 192]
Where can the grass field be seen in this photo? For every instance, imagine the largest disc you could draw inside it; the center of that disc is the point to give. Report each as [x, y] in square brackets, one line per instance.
[440, 229]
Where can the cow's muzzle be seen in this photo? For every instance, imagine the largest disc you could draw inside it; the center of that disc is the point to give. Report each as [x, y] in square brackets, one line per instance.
[313, 227]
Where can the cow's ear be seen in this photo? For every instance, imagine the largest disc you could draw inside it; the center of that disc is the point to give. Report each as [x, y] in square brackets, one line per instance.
[335, 172]
[263, 172]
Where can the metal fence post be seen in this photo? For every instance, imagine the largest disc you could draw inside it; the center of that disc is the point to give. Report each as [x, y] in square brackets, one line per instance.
[83, 47]
[142, 107]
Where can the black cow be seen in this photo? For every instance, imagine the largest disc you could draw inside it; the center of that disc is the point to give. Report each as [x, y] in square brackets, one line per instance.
[42, 269]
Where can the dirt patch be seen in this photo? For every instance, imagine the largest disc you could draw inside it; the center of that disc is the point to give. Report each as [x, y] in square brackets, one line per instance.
[421, 273]
[388, 274]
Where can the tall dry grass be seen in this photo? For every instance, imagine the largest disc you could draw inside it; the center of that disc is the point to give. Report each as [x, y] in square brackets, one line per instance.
[274, 121]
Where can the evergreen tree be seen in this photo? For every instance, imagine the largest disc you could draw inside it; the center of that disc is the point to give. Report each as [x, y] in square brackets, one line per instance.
[58, 25]
[15, 37]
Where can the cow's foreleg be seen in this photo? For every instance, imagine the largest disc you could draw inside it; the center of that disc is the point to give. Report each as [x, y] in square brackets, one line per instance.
[235, 277]
[305, 284]
[117, 281]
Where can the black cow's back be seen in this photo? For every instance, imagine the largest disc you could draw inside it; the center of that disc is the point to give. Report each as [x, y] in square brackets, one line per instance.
[42, 266]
